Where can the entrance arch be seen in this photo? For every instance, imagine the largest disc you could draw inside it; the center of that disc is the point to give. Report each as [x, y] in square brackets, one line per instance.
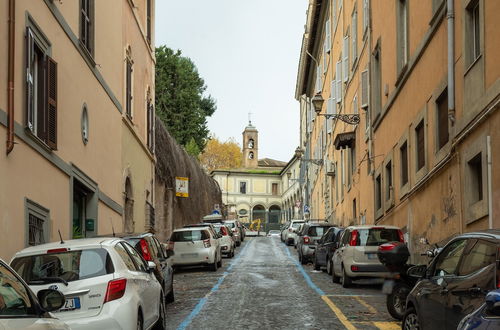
[274, 214]
[259, 212]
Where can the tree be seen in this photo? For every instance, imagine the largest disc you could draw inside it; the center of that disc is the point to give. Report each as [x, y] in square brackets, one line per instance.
[180, 98]
[219, 154]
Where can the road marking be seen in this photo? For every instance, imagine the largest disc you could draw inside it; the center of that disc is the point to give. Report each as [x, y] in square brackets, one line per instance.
[355, 295]
[387, 325]
[305, 275]
[199, 306]
[368, 306]
[342, 318]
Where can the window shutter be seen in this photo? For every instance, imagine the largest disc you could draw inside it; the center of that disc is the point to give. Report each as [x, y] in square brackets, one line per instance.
[329, 110]
[325, 57]
[328, 36]
[364, 89]
[355, 104]
[51, 103]
[338, 94]
[345, 52]
[354, 36]
[318, 79]
[334, 96]
[365, 15]
[30, 99]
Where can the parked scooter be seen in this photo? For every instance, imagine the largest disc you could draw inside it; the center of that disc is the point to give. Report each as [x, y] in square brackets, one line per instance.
[394, 256]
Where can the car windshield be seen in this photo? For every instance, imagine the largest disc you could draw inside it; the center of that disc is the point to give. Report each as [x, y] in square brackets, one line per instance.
[230, 224]
[14, 297]
[274, 232]
[296, 224]
[377, 236]
[64, 266]
[317, 230]
[189, 235]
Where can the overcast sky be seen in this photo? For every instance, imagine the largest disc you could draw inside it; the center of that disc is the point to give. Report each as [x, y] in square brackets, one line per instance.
[247, 51]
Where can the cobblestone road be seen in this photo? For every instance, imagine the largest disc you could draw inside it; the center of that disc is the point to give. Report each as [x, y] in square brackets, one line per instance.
[264, 287]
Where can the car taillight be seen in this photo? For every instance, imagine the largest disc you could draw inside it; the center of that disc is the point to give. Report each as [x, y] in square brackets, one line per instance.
[401, 236]
[290, 230]
[354, 268]
[207, 243]
[57, 250]
[145, 250]
[116, 289]
[224, 231]
[307, 240]
[170, 245]
[354, 238]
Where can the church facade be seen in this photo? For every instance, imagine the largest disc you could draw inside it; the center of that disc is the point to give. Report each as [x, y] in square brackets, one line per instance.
[256, 190]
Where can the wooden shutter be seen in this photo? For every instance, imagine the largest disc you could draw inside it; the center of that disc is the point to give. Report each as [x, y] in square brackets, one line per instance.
[128, 100]
[364, 89]
[328, 36]
[51, 103]
[334, 96]
[345, 59]
[338, 94]
[30, 99]
[354, 36]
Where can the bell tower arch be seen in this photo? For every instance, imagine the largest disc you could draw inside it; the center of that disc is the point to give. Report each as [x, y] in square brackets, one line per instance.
[250, 146]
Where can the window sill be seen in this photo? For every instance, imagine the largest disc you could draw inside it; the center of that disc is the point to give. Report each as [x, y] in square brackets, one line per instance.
[88, 55]
[473, 64]
[401, 74]
[38, 141]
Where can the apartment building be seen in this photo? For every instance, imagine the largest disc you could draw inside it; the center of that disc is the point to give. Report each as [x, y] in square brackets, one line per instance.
[424, 80]
[72, 71]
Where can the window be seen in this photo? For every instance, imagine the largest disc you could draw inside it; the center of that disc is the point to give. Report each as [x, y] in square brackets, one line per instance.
[251, 144]
[420, 145]
[151, 125]
[376, 85]
[354, 36]
[448, 259]
[366, 18]
[128, 86]
[37, 220]
[378, 193]
[442, 120]
[481, 255]
[402, 34]
[41, 87]
[274, 188]
[148, 21]
[138, 260]
[388, 181]
[16, 302]
[250, 155]
[345, 59]
[476, 179]
[243, 187]
[403, 152]
[473, 31]
[354, 211]
[87, 25]
[127, 260]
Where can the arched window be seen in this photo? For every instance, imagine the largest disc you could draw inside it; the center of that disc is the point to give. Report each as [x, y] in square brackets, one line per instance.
[251, 143]
[250, 155]
[129, 207]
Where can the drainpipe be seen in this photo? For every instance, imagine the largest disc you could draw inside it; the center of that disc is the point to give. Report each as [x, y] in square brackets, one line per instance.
[490, 194]
[451, 59]
[10, 84]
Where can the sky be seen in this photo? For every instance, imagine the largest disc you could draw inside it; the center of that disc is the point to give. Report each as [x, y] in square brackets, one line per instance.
[247, 51]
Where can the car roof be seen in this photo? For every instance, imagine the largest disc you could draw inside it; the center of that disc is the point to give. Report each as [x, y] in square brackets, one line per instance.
[74, 244]
[491, 233]
[320, 224]
[191, 228]
[372, 226]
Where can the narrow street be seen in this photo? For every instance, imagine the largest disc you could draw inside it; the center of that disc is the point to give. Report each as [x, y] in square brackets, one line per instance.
[265, 287]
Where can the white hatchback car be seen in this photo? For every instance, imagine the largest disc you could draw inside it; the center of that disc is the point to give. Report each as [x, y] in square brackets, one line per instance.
[290, 235]
[195, 246]
[20, 309]
[107, 284]
[227, 242]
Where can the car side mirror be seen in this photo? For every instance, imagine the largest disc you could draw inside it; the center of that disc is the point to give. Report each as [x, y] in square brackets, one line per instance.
[151, 266]
[51, 300]
[418, 271]
[493, 303]
[170, 253]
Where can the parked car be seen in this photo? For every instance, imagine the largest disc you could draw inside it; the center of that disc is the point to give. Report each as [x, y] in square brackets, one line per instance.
[233, 224]
[283, 230]
[20, 308]
[356, 254]
[227, 241]
[195, 246]
[325, 248]
[210, 226]
[242, 230]
[106, 282]
[455, 282]
[290, 235]
[273, 233]
[151, 250]
[307, 239]
[485, 317]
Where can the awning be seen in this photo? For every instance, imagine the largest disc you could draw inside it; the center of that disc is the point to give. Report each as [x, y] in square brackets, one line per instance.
[345, 140]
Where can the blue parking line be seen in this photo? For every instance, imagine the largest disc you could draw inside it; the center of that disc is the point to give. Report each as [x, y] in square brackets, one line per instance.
[304, 274]
[199, 306]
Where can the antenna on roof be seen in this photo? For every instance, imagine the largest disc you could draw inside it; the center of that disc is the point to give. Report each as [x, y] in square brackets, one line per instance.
[60, 236]
[112, 227]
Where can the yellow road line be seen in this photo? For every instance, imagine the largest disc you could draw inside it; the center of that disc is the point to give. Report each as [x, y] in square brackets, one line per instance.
[364, 303]
[339, 313]
[387, 325]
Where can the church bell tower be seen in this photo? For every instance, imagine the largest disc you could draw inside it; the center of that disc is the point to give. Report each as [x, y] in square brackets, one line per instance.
[250, 146]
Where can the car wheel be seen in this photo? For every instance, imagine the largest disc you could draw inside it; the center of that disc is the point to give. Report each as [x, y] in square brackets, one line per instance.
[161, 324]
[140, 322]
[170, 296]
[410, 320]
[213, 266]
[219, 263]
[346, 280]
[396, 300]
[335, 278]
[238, 243]
[329, 267]
[315, 264]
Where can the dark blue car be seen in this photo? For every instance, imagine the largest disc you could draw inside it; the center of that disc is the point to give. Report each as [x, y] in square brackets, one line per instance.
[485, 317]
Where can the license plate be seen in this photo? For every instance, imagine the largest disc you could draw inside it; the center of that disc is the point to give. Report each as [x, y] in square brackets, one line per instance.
[71, 304]
[371, 256]
[388, 286]
[189, 255]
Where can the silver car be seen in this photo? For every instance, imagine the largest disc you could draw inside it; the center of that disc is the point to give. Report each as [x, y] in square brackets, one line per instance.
[356, 256]
[290, 233]
[233, 224]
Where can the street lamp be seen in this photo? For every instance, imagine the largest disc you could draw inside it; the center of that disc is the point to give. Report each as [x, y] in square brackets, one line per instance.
[299, 152]
[317, 101]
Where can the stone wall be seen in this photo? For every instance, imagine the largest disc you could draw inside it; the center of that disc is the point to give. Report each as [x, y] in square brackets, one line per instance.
[172, 161]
